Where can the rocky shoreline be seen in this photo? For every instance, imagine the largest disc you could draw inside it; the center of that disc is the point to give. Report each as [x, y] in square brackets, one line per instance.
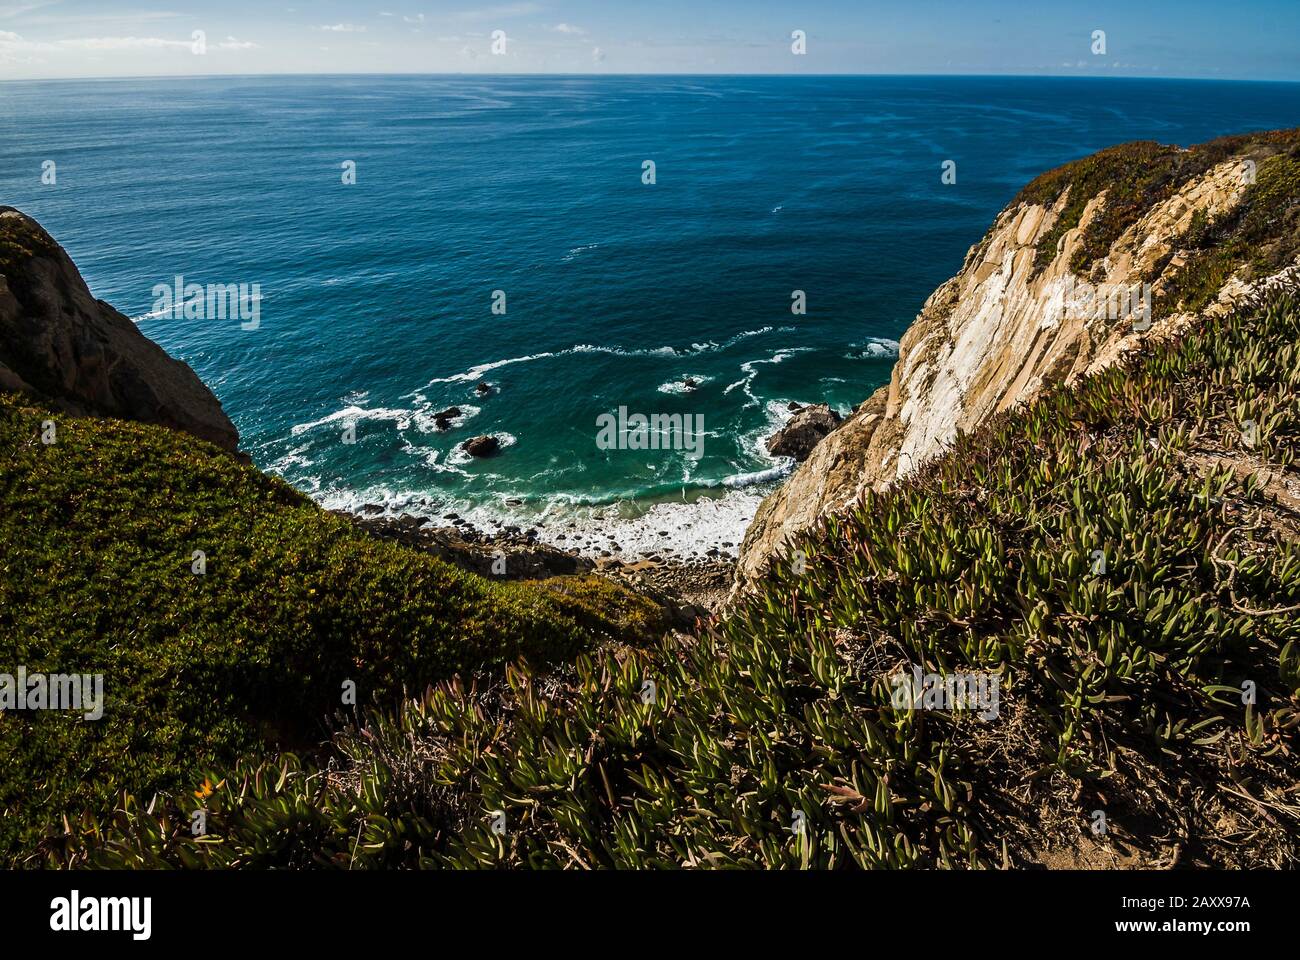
[689, 587]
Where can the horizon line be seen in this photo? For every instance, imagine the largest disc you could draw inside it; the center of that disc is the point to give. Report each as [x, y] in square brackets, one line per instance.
[588, 75]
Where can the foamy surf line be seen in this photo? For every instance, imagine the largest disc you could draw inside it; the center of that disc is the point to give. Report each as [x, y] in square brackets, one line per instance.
[873, 348]
[707, 527]
[708, 523]
[695, 349]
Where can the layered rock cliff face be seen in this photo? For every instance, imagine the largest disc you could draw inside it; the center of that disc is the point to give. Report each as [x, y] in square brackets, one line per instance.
[1058, 288]
[58, 343]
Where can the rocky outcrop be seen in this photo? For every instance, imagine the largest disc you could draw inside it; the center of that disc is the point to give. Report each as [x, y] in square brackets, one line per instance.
[443, 418]
[1021, 316]
[78, 354]
[484, 446]
[803, 432]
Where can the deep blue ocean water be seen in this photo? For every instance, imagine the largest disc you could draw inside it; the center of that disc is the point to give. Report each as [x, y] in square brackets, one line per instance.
[376, 296]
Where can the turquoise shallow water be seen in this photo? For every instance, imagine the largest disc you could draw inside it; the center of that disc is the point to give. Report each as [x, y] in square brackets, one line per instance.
[376, 297]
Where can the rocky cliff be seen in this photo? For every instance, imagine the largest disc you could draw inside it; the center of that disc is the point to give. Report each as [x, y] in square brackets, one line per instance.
[58, 343]
[1088, 260]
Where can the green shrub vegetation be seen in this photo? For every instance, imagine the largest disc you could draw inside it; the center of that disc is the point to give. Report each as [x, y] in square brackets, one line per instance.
[1255, 239]
[19, 243]
[97, 538]
[1137, 176]
[1122, 688]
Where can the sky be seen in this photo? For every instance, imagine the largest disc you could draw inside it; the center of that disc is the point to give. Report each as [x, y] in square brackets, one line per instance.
[1244, 39]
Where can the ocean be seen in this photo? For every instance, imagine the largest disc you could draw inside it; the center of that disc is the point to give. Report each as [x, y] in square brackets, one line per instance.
[375, 299]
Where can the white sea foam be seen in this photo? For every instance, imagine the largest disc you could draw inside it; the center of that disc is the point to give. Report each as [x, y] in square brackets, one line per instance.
[873, 347]
[426, 422]
[712, 513]
[742, 480]
[435, 461]
[678, 528]
[458, 456]
[750, 369]
[422, 417]
[575, 251]
[678, 384]
[668, 528]
[777, 414]
[174, 312]
[392, 502]
[402, 417]
[476, 372]
[698, 522]
[294, 458]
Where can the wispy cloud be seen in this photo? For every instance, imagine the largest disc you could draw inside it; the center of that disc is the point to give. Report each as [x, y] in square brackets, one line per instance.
[501, 10]
[124, 43]
[342, 28]
[118, 19]
[14, 48]
[569, 29]
[8, 10]
[12, 44]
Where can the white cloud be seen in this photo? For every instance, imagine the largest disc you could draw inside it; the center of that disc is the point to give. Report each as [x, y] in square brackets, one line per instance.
[12, 45]
[597, 54]
[342, 28]
[568, 28]
[13, 48]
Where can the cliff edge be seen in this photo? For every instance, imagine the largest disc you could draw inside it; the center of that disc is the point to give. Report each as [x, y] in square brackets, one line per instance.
[61, 345]
[1084, 264]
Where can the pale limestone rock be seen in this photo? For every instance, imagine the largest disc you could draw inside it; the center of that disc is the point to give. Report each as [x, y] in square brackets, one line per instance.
[992, 337]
